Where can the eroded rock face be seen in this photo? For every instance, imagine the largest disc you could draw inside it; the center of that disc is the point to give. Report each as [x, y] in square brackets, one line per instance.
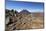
[25, 21]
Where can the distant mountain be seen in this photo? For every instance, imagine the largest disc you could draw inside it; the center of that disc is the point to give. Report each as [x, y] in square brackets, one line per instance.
[38, 14]
[24, 12]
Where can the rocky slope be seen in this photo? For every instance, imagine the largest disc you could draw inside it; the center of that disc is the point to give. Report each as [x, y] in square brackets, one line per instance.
[23, 21]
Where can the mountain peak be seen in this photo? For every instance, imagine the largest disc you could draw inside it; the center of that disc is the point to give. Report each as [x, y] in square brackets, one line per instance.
[24, 11]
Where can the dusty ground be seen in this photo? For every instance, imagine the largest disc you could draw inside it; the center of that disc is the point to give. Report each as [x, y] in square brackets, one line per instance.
[26, 22]
[37, 22]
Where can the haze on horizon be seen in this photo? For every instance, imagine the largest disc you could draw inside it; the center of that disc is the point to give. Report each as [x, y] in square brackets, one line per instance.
[30, 6]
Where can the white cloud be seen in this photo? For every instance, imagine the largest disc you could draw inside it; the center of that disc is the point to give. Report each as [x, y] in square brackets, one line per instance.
[36, 10]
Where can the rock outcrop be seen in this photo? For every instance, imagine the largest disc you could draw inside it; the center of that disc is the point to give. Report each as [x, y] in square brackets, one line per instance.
[23, 21]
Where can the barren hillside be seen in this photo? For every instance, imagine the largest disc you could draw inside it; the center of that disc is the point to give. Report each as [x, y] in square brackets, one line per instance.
[22, 21]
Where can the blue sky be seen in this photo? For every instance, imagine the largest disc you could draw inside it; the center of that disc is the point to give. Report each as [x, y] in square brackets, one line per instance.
[30, 6]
